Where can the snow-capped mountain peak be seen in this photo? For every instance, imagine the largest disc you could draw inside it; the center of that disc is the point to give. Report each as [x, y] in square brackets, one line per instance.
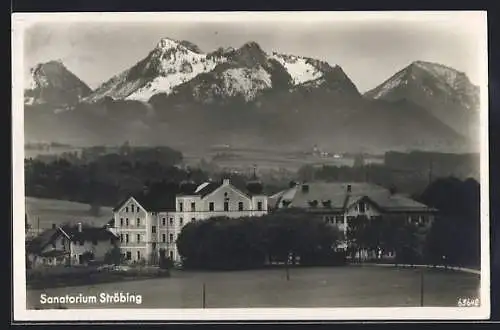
[170, 64]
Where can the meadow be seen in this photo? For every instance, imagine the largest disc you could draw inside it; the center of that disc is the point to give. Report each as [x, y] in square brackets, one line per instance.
[42, 213]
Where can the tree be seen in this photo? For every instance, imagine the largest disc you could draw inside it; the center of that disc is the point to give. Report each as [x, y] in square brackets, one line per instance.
[164, 261]
[114, 256]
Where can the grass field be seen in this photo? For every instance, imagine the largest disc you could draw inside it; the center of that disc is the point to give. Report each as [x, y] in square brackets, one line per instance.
[307, 287]
[46, 212]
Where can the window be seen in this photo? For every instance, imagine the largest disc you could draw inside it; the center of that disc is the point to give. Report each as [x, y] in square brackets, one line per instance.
[126, 209]
[129, 255]
[94, 242]
[121, 238]
[193, 219]
[153, 229]
[240, 206]
[259, 206]
[126, 222]
[132, 208]
[171, 254]
[126, 238]
[180, 207]
[171, 221]
[171, 238]
[163, 222]
[181, 221]
[153, 246]
[121, 222]
[81, 243]
[138, 222]
[193, 206]
[226, 206]
[138, 255]
[211, 206]
[362, 207]
[138, 238]
[53, 245]
[340, 220]
[163, 238]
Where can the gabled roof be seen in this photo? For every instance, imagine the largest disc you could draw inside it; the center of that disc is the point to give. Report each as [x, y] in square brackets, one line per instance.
[339, 199]
[151, 202]
[70, 232]
[207, 188]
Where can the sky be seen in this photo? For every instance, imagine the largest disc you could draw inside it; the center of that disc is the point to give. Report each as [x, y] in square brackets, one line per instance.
[368, 51]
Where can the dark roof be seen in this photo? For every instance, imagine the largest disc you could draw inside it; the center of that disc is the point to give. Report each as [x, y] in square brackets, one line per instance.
[157, 202]
[160, 202]
[208, 188]
[87, 234]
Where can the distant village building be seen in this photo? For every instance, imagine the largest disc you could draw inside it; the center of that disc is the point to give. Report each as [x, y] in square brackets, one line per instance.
[336, 203]
[70, 245]
[145, 225]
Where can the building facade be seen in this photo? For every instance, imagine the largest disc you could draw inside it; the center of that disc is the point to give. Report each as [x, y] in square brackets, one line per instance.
[71, 245]
[338, 203]
[145, 226]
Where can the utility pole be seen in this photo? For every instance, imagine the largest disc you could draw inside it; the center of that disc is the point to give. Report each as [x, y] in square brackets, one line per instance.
[204, 296]
[430, 171]
[287, 267]
[422, 287]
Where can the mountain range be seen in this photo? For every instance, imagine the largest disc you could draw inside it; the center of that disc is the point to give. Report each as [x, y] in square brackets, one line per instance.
[180, 96]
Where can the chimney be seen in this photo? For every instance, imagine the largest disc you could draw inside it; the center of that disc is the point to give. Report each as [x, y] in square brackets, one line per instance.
[53, 226]
[305, 187]
[79, 227]
[225, 182]
[349, 188]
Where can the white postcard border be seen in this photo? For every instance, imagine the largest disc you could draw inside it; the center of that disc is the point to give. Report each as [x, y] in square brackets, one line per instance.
[22, 20]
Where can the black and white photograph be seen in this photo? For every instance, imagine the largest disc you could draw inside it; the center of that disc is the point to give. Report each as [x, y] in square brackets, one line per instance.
[250, 166]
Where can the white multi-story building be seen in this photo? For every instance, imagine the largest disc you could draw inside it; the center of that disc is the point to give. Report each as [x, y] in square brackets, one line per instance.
[146, 226]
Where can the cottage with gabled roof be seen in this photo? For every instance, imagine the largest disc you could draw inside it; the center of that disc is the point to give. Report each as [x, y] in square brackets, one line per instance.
[70, 245]
[146, 223]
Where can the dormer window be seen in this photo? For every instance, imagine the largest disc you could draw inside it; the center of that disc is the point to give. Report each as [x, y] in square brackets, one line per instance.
[362, 207]
[327, 203]
[126, 209]
[313, 203]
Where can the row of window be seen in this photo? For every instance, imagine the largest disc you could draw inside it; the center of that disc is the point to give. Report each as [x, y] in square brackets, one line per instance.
[132, 209]
[128, 255]
[127, 222]
[211, 206]
[334, 219]
[125, 238]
